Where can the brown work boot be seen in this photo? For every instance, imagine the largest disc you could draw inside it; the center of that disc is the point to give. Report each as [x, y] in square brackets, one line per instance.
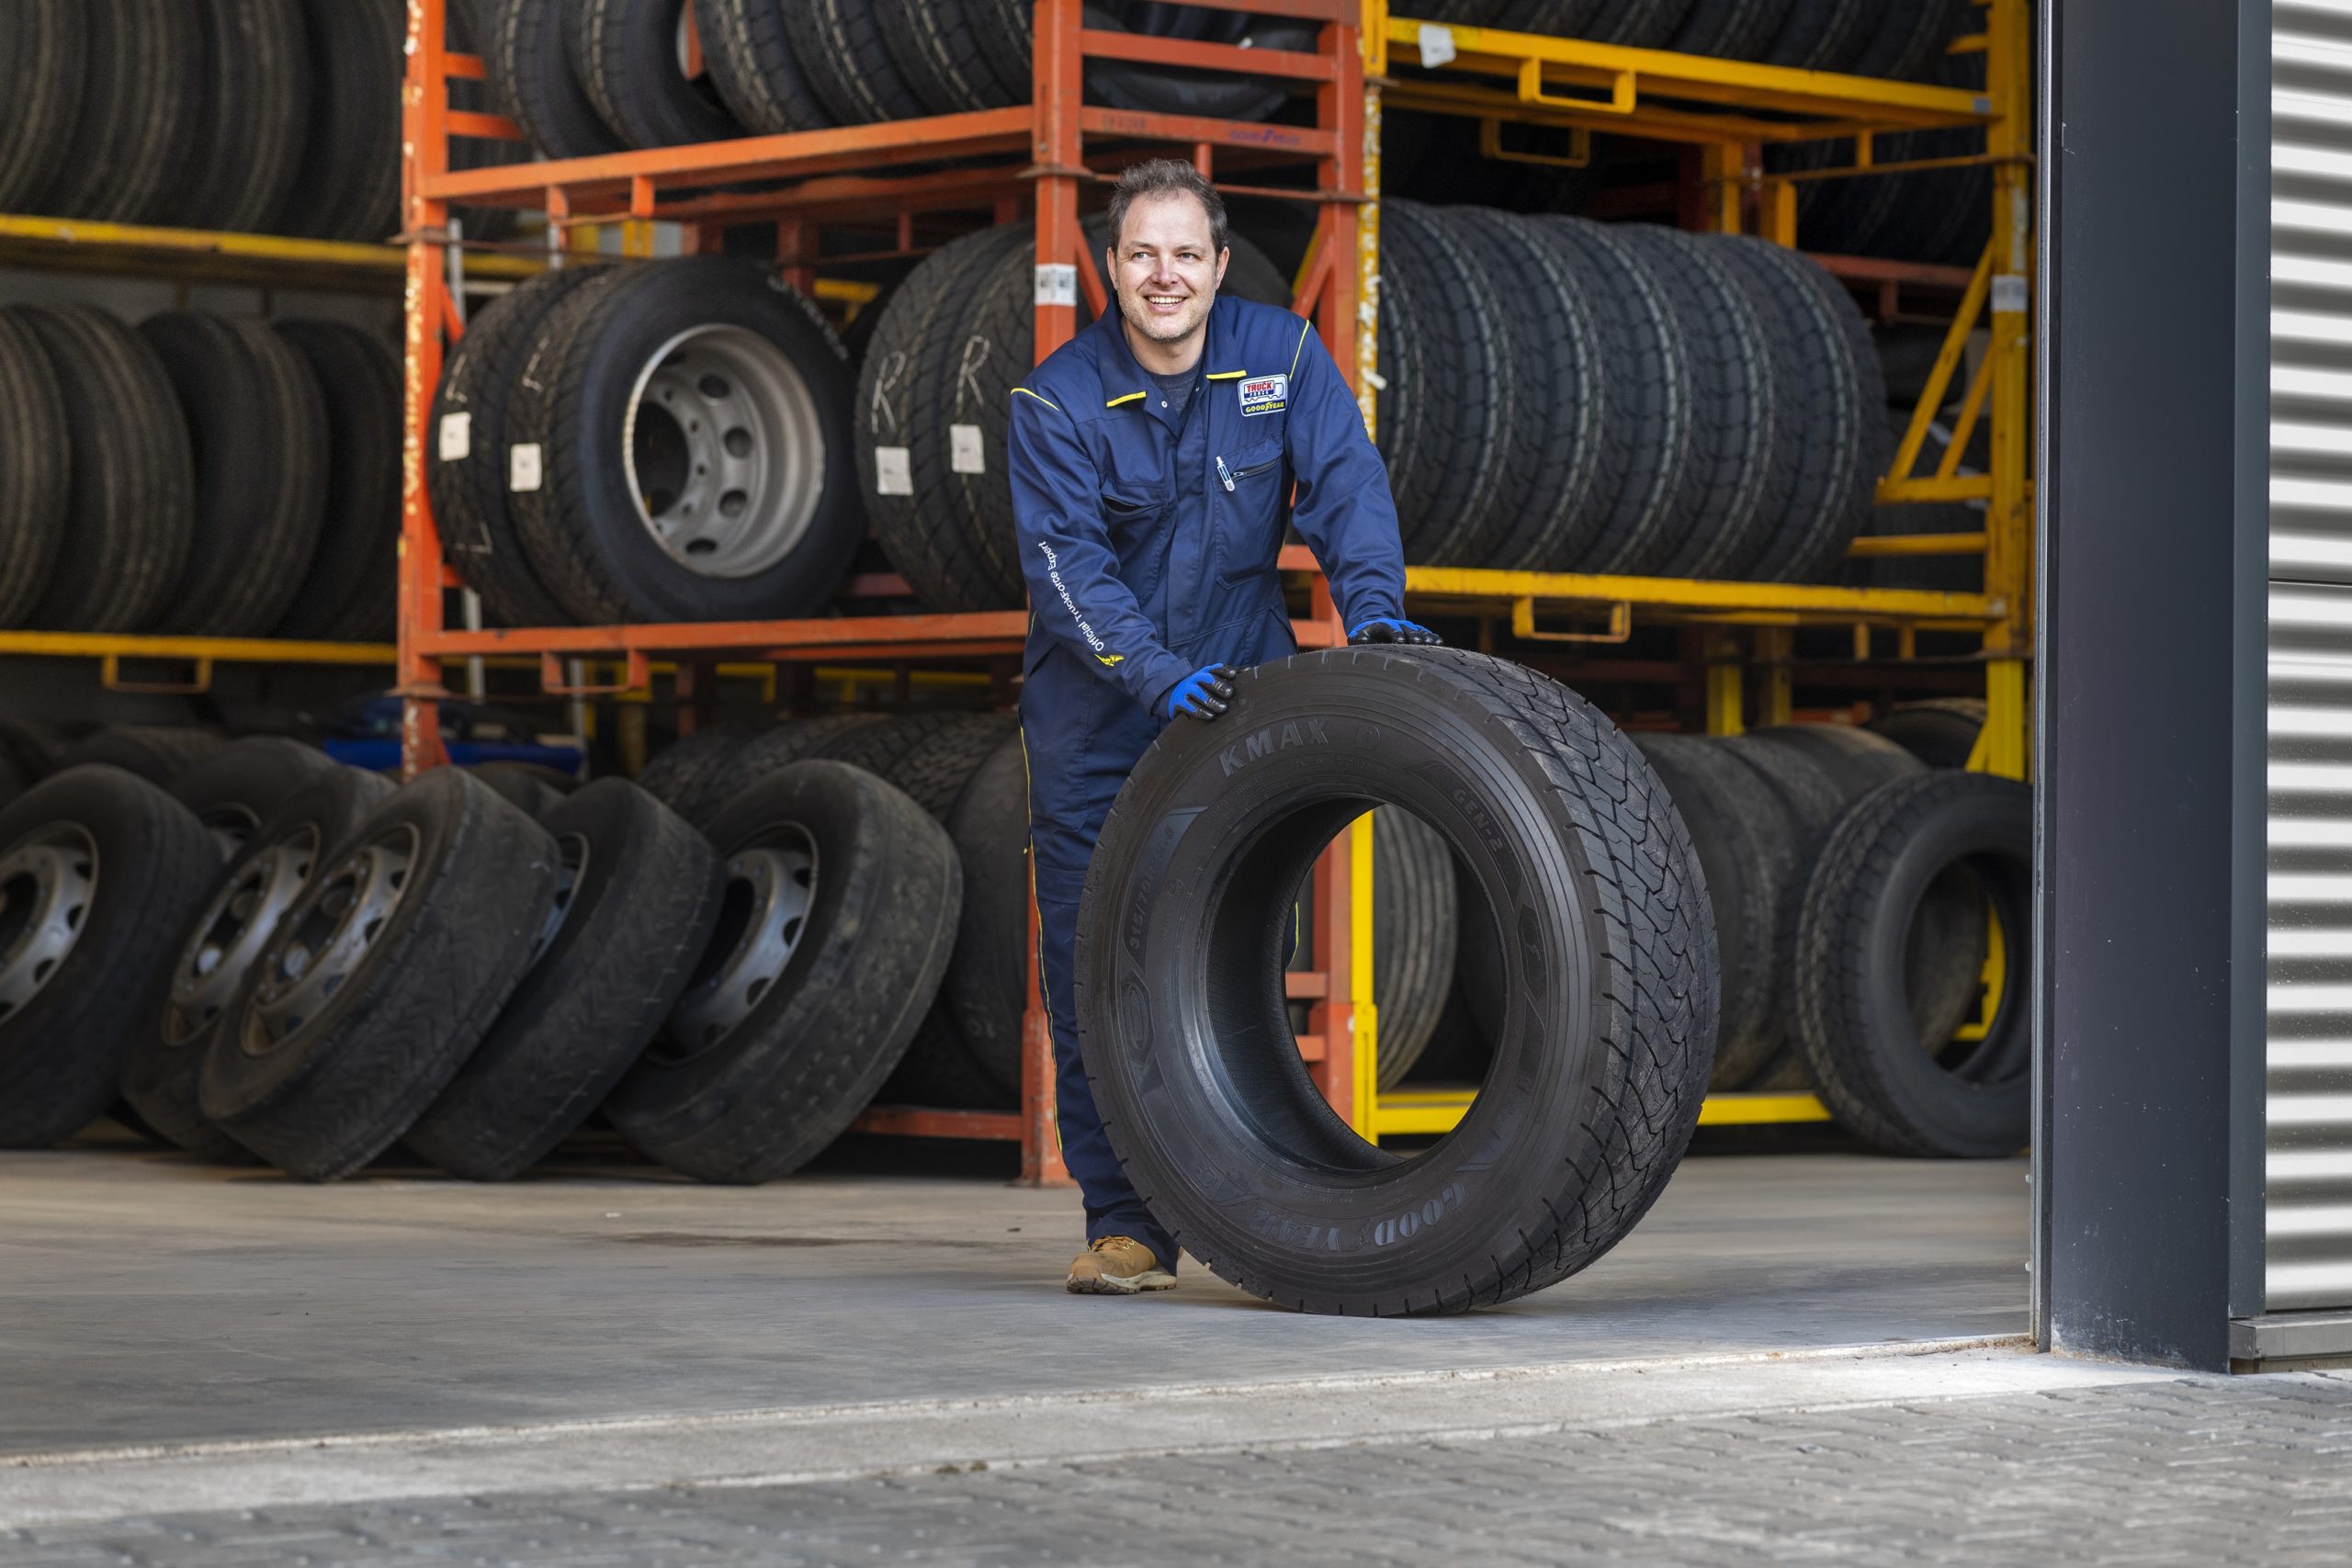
[1118, 1266]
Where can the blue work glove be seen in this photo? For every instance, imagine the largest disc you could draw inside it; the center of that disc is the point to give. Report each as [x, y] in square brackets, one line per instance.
[1203, 694]
[1388, 629]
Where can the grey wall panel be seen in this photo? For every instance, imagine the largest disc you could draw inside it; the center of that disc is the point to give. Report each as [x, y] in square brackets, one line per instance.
[2307, 990]
[2311, 305]
[2307, 1259]
[2152, 565]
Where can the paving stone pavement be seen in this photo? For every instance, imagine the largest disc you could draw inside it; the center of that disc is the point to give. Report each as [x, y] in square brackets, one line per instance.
[2196, 1470]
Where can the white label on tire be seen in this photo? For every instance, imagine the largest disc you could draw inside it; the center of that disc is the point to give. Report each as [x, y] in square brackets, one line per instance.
[894, 473]
[963, 452]
[1437, 44]
[457, 437]
[1058, 284]
[523, 467]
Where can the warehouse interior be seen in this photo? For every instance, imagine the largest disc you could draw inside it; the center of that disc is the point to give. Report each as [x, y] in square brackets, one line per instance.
[516, 902]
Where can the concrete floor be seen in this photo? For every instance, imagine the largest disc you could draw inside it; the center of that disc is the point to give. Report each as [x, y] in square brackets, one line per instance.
[146, 1300]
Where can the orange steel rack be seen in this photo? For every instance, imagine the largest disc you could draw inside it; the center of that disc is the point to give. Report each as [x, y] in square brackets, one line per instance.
[1032, 160]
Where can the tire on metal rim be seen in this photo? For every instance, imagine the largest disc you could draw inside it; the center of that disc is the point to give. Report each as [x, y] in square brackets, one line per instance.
[638, 898]
[222, 944]
[690, 423]
[1610, 970]
[99, 874]
[1898, 1085]
[839, 913]
[381, 978]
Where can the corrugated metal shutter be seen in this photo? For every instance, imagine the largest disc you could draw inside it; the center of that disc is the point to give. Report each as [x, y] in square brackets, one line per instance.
[2308, 1216]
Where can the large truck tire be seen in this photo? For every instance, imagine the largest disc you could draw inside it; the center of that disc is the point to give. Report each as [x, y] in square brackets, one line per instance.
[684, 770]
[159, 753]
[630, 57]
[1722, 483]
[986, 987]
[752, 66]
[131, 499]
[1218, 94]
[1730, 29]
[636, 903]
[349, 183]
[35, 484]
[1553, 392]
[221, 945]
[528, 57]
[1830, 387]
[257, 429]
[840, 910]
[1899, 1084]
[1610, 990]
[101, 872]
[679, 448]
[468, 470]
[941, 1068]
[350, 591]
[1940, 731]
[137, 93]
[381, 978]
[937, 45]
[48, 44]
[246, 143]
[236, 788]
[1751, 869]
[839, 45]
[797, 740]
[1442, 384]
[1650, 407]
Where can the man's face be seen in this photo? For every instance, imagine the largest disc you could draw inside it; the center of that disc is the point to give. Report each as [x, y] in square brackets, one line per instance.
[1165, 272]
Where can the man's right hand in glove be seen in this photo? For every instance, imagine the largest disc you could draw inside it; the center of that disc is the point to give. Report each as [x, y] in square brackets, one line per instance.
[1203, 694]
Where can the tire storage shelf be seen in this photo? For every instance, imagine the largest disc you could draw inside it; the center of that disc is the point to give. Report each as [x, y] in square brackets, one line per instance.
[1025, 163]
[1731, 125]
[183, 664]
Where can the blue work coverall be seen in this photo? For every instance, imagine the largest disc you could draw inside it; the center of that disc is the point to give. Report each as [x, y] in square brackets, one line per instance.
[1149, 541]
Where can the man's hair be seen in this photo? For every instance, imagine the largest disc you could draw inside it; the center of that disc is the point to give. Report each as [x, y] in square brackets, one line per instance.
[1163, 177]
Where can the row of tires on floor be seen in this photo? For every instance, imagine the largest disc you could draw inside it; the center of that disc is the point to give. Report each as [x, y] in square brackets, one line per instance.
[273, 116]
[196, 475]
[1862, 38]
[282, 957]
[1857, 922]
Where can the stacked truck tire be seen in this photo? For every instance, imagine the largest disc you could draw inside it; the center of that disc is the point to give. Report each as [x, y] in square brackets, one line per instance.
[196, 475]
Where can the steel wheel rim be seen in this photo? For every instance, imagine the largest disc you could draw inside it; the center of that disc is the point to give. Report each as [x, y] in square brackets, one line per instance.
[724, 452]
[327, 935]
[233, 826]
[48, 882]
[771, 889]
[235, 928]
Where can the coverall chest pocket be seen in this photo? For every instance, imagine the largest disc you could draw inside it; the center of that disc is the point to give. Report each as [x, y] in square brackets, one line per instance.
[1251, 486]
[1132, 520]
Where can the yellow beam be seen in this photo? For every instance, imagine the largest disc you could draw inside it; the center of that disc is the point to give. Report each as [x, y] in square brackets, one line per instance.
[1537, 63]
[1797, 599]
[1432, 1112]
[224, 649]
[79, 243]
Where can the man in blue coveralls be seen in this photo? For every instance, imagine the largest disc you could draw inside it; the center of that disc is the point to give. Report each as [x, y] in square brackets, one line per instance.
[1153, 460]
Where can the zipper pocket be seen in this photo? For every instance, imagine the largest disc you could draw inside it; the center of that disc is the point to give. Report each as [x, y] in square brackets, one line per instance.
[1234, 475]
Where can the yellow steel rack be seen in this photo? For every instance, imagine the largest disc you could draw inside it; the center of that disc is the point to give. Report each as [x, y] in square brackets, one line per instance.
[205, 256]
[1731, 111]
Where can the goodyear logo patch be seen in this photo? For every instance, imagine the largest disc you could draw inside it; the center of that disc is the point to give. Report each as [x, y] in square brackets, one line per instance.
[1265, 394]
